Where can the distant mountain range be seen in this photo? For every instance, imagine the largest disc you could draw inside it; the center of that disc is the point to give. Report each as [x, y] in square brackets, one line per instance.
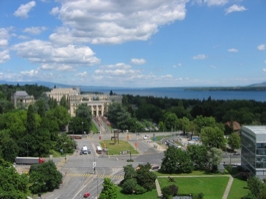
[106, 88]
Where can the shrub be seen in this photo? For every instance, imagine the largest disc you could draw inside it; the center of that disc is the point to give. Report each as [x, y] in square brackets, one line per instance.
[174, 189]
[129, 186]
[140, 189]
[166, 191]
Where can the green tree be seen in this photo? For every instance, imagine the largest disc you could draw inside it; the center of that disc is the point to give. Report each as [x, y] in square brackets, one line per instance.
[197, 154]
[214, 158]
[255, 185]
[31, 123]
[12, 184]
[64, 103]
[8, 147]
[129, 186]
[212, 137]
[118, 116]
[44, 177]
[109, 190]
[234, 141]
[170, 120]
[130, 172]
[145, 178]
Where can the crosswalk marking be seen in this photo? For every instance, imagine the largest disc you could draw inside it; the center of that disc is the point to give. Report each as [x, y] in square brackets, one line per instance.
[92, 175]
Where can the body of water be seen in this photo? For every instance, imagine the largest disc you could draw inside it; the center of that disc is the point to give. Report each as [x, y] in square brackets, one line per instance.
[181, 93]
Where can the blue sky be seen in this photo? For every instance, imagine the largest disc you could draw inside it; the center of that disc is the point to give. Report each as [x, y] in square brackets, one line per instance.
[134, 43]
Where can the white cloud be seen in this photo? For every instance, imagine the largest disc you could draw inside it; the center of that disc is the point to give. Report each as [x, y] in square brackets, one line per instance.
[24, 9]
[3, 42]
[235, 8]
[200, 56]
[46, 53]
[232, 50]
[261, 47]
[264, 70]
[83, 74]
[114, 22]
[211, 2]
[54, 11]
[178, 65]
[29, 73]
[138, 61]
[34, 30]
[4, 36]
[4, 56]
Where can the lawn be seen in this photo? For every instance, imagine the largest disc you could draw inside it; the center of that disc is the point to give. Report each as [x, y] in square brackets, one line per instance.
[149, 195]
[116, 149]
[193, 173]
[212, 187]
[94, 128]
[238, 189]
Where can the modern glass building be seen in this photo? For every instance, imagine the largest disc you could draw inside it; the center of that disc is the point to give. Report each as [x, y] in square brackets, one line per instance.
[253, 150]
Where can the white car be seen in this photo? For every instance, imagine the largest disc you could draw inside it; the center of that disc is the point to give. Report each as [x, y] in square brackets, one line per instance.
[146, 137]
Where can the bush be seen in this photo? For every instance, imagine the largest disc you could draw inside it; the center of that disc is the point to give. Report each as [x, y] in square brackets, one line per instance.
[174, 189]
[130, 160]
[129, 186]
[229, 168]
[140, 189]
[166, 191]
[198, 196]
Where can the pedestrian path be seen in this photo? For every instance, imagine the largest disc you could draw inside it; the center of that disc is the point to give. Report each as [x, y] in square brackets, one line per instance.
[228, 187]
[158, 188]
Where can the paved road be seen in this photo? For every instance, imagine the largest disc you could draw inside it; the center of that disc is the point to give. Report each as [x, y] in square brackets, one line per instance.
[78, 170]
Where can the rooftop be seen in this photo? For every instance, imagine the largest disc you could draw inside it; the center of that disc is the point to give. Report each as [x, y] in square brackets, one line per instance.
[256, 129]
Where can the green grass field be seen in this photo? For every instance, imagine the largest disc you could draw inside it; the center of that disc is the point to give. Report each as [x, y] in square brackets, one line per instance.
[94, 128]
[238, 189]
[212, 187]
[148, 195]
[116, 149]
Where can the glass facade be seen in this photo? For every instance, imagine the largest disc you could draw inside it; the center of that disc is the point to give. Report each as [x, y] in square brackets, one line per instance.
[253, 154]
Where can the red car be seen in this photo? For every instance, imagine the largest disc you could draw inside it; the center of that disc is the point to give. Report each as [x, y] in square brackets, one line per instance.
[86, 195]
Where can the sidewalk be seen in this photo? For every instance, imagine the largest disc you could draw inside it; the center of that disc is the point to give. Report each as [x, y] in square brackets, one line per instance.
[158, 188]
[228, 187]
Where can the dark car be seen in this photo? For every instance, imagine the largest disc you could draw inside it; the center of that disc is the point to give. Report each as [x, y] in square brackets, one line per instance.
[86, 195]
[80, 153]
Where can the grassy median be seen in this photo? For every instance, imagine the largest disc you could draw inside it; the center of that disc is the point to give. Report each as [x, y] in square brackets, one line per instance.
[115, 149]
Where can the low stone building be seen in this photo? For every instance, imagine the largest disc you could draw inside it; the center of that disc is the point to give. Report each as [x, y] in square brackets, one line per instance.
[21, 98]
[98, 103]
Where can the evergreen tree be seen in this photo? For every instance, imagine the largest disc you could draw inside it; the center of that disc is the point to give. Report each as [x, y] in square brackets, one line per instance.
[109, 190]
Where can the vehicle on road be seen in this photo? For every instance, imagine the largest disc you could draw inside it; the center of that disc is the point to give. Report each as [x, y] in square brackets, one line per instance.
[146, 137]
[99, 150]
[29, 160]
[84, 150]
[86, 195]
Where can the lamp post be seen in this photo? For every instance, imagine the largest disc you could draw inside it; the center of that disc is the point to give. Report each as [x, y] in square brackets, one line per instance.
[82, 127]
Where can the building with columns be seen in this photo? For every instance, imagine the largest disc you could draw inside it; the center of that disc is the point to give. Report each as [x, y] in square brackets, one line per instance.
[21, 98]
[98, 103]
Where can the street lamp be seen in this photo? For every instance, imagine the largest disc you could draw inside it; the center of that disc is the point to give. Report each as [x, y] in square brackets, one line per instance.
[82, 127]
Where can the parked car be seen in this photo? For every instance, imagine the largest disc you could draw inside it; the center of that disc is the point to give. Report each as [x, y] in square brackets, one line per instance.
[86, 195]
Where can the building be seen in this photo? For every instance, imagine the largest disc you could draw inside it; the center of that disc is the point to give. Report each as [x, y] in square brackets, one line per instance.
[98, 103]
[253, 150]
[21, 98]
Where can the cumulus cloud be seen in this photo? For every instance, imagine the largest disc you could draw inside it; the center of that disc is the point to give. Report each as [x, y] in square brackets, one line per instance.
[4, 56]
[82, 74]
[235, 8]
[200, 56]
[3, 42]
[24, 9]
[232, 50]
[34, 30]
[114, 22]
[46, 53]
[211, 2]
[29, 73]
[261, 47]
[264, 70]
[178, 65]
[4, 36]
[138, 61]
